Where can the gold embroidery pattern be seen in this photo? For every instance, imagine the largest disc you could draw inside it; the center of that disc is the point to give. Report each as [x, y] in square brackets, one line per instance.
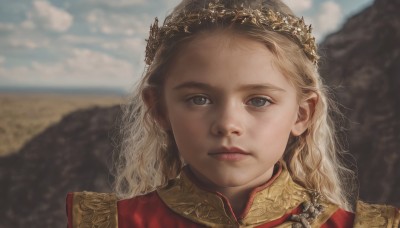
[206, 208]
[273, 202]
[197, 205]
[373, 215]
[94, 210]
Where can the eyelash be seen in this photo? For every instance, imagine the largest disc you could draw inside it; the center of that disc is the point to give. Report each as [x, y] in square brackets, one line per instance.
[266, 101]
[192, 101]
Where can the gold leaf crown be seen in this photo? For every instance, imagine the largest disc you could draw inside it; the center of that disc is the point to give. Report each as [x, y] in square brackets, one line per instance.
[288, 25]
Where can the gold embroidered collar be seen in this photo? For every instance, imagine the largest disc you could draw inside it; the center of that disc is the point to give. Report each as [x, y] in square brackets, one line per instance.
[267, 203]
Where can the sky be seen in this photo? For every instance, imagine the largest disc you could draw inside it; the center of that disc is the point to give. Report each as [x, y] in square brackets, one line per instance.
[101, 43]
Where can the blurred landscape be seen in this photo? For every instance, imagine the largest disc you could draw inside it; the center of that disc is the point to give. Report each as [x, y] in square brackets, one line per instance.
[59, 143]
[67, 146]
[23, 115]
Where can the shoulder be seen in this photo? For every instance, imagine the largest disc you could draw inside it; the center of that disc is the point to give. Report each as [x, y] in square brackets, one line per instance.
[92, 209]
[149, 211]
[374, 215]
[88, 209]
[142, 205]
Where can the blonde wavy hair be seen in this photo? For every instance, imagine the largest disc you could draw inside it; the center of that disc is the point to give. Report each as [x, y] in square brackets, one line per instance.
[149, 157]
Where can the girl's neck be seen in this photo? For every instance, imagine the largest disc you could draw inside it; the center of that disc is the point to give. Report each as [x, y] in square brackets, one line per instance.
[237, 196]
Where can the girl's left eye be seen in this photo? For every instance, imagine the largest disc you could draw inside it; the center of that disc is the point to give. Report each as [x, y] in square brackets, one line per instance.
[259, 102]
[199, 100]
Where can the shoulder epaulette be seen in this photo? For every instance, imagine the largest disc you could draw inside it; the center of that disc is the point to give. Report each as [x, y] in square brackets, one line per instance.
[374, 215]
[90, 209]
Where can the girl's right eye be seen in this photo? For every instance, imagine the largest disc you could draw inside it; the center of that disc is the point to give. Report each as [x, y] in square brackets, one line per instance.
[199, 100]
[259, 102]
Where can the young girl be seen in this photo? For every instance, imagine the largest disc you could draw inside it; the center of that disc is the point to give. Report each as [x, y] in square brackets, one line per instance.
[229, 127]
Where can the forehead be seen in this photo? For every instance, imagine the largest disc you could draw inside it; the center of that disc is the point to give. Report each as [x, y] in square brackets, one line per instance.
[225, 55]
[220, 41]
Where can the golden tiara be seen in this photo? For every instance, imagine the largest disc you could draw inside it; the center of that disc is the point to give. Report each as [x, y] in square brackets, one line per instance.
[290, 26]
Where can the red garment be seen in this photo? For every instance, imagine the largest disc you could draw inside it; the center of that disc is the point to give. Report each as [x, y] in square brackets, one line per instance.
[150, 211]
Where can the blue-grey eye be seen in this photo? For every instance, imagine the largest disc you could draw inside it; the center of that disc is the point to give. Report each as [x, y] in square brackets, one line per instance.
[258, 102]
[200, 100]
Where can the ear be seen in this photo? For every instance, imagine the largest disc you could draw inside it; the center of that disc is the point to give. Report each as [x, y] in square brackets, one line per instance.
[305, 114]
[156, 107]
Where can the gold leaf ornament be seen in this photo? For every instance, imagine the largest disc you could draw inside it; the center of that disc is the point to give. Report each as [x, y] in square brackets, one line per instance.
[290, 26]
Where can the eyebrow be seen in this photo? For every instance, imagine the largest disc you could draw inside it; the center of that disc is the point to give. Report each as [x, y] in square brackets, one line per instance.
[193, 85]
[204, 86]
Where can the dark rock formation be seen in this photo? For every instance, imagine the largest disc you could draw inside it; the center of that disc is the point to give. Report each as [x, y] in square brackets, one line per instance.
[73, 155]
[362, 61]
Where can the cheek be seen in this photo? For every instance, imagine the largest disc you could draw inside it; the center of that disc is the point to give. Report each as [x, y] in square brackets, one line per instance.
[273, 128]
[188, 128]
[190, 133]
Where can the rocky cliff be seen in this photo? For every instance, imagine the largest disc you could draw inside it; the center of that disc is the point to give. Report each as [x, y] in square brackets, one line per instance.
[72, 155]
[362, 63]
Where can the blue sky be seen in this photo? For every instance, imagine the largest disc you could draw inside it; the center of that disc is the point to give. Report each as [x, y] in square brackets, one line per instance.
[100, 43]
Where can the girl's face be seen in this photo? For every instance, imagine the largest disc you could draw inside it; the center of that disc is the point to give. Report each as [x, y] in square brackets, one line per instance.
[230, 109]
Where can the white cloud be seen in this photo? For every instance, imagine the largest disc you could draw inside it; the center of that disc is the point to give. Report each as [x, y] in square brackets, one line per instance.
[110, 45]
[118, 3]
[330, 16]
[23, 43]
[170, 4]
[299, 6]
[49, 16]
[117, 24]
[88, 40]
[6, 27]
[83, 68]
[23, 40]
[28, 24]
[2, 60]
[88, 63]
[328, 19]
[134, 45]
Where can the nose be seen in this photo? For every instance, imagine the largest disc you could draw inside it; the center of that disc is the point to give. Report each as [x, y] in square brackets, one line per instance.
[228, 120]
